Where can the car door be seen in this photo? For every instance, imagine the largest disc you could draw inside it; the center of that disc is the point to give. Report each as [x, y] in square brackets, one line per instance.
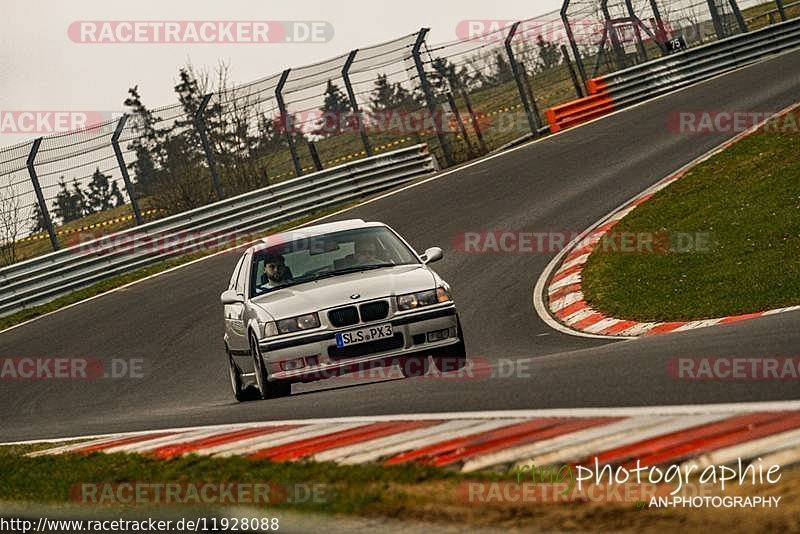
[234, 313]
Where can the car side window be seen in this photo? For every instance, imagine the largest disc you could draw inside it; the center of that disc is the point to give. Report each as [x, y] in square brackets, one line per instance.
[235, 275]
[241, 279]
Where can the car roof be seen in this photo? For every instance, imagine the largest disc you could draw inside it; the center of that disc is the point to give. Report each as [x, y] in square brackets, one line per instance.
[314, 231]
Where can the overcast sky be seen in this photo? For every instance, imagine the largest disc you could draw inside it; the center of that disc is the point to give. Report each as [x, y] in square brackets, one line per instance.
[41, 68]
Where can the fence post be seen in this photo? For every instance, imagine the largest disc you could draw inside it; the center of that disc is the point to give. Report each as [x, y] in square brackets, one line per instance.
[661, 30]
[312, 149]
[473, 118]
[719, 28]
[351, 96]
[288, 123]
[619, 52]
[430, 101]
[573, 44]
[48, 222]
[533, 122]
[123, 169]
[571, 68]
[739, 18]
[461, 128]
[782, 10]
[636, 30]
[200, 124]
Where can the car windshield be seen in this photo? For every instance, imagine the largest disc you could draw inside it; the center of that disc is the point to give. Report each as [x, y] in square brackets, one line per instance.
[309, 259]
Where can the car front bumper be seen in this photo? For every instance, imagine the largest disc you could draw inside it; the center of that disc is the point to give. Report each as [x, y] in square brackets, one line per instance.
[283, 357]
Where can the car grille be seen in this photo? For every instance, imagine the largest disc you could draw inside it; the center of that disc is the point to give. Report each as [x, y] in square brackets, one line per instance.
[343, 316]
[365, 349]
[374, 311]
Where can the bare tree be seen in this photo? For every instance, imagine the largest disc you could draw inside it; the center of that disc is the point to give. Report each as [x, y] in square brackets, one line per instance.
[10, 222]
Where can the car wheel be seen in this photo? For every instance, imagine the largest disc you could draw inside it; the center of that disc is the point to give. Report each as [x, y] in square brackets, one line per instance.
[413, 366]
[454, 357]
[267, 389]
[240, 392]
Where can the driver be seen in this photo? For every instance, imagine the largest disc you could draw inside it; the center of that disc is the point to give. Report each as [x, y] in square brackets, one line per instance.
[276, 273]
[366, 251]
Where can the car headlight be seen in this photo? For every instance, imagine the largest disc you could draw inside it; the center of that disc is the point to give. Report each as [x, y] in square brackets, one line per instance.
[296, 324]
[413, 301]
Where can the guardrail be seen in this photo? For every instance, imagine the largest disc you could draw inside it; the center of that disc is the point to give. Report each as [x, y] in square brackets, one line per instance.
[649, 80]
[44, 278]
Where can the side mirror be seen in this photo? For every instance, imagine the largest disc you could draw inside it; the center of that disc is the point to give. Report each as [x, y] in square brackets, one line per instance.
[231, 297]
[432, 255]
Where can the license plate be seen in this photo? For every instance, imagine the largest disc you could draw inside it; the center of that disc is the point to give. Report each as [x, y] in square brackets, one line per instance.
[364, 335]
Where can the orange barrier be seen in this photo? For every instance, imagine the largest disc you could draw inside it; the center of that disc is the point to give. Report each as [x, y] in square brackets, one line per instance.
[581, 110]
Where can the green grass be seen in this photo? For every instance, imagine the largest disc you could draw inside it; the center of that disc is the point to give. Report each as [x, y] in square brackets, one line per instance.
[748, 199]
[127, 278]
[351, 489]
[409, 492]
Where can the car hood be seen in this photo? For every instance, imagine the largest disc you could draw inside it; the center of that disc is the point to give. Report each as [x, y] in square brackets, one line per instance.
[337, 291]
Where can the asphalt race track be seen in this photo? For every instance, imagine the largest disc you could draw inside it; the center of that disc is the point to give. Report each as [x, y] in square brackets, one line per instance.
[561, 184]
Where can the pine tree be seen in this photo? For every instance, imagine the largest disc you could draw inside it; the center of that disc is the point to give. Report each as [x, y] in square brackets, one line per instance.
[103, 193]
[443, 75]
[503, 72]
[147, 145]
[382, 94]
[37, 219]
[70, 204]
[334, 108]
[549, 53]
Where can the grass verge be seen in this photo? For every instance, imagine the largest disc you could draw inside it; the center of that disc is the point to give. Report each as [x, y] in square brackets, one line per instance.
[127, 278]
[744, 202]
[405, 492]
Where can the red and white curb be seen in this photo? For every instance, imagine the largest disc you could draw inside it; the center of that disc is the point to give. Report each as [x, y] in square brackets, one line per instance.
[564, 293]
[703, 434]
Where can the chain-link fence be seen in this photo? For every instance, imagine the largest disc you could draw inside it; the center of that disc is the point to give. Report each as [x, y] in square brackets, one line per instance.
[466, 97]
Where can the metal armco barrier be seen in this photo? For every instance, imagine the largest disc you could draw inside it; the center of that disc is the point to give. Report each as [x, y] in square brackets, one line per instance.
[47, 277]
[648, 80]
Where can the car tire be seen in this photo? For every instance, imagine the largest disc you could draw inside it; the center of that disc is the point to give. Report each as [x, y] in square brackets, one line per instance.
[241, 392]
[267, 389]
[414, 366]
[454, 357]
